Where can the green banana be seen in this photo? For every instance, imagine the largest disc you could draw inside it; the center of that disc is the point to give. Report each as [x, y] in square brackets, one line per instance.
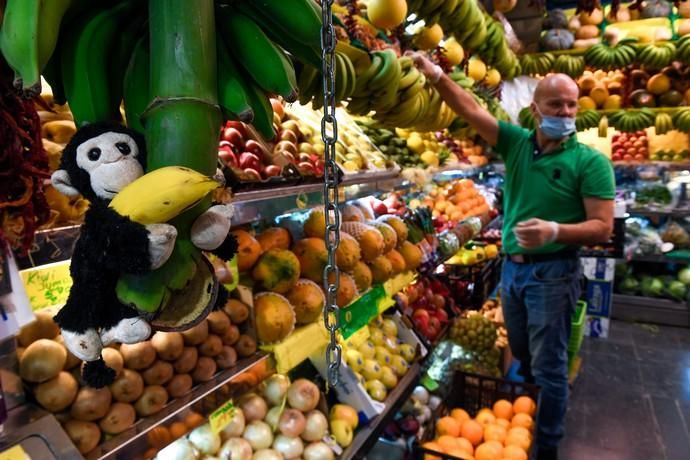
[296, 18]
[136, 85]
[19, 40]
[129, 35]
[309, 82]
[257, 54]
[52, 12]
[263, 111]
[232, 92]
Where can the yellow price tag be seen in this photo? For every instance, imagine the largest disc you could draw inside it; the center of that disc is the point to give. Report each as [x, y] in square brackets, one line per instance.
[221, 417]
[14, 453]
[48, 285]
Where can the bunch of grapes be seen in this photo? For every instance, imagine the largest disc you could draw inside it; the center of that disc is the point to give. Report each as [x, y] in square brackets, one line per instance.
[474, 333]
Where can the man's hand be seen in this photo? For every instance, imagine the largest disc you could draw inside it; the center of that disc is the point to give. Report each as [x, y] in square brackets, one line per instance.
[535, 233]
[430, 70]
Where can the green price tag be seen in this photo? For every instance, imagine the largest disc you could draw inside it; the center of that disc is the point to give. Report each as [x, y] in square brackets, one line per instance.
[361, 311]
[221, 417]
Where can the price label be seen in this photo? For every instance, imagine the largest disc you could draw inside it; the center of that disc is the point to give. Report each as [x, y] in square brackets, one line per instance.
[221, 417]
[47, 285]
[361, 311]
[14, 453]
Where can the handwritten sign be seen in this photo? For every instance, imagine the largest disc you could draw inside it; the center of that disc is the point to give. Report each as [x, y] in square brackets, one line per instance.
[47, 285]
[221, 417]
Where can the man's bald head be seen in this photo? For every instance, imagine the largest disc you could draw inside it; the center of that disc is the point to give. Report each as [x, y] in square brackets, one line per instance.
[556, 96]
[555, 84]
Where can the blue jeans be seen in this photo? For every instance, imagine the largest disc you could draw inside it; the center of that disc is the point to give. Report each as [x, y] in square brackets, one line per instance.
[538, 302]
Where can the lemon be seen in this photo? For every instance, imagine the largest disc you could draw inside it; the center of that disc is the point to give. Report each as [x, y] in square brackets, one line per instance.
[430, 158]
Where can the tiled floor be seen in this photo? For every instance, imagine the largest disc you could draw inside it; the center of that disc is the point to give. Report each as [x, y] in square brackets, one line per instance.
[631, 399]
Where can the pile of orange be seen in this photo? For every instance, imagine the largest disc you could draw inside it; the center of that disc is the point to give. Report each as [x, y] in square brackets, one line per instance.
[503, 432]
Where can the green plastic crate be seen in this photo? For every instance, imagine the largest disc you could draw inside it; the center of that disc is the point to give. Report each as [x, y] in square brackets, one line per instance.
[577, 331]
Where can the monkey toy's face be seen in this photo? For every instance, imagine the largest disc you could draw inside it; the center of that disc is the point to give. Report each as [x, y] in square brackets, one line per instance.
[112, 162]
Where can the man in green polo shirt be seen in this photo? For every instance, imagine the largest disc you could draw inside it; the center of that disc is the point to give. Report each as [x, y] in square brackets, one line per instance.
[558, 196]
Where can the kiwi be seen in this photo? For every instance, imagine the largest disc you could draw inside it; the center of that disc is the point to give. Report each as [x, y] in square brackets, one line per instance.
[57, 393]
[236, 310]
[84, 435]
[168, 345]
[152, 400]
[197, 334]
[212, 346]
[179, 385]
[114, 360]
[231, 336]
[138, 355]
[72, 361]
[205, 368]
[20, 351]
[245, 346]
[187, 360]
[43, 327]
[128, 386]
[91, 403]
[159, 373]
[120, 417]
[218, 322]
[42, 361]
[227, 357]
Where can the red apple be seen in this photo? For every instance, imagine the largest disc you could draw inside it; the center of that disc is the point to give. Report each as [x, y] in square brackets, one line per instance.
[228, 157]
[320, 166]
[251, 174]
[235, 137]
[249, 160]
[288, 155]
[306, 168]
[639, 157]
[616, 157]
[238, 125]
[272, 170]
[288, 135]
[305, 157]
[254, 147]
[278, 108]
[627, 157]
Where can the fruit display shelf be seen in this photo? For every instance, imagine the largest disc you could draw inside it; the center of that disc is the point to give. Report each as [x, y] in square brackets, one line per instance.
[659, 212]
[367, 436]
[661, 259]
[651, 310]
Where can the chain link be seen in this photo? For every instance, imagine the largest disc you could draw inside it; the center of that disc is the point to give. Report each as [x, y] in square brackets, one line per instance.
[329, 134]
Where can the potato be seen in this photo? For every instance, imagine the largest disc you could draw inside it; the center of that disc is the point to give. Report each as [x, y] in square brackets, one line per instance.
[236, 310]
[187, 361]
[151, 401]
[114, 360]
[197, 334]
[179, 385]
[91, 403]
[127, 387]
[120, 417]
[168, 345]
[205, 368]
[139, 355]
[43, 327]
[194, 420]
[212, 346]
[245, 346]
[72, 361]
[218, 322]
[20, 352]
[227, 358]
[42, 361]
[159, 437]
[57, 393]
[231, 336]
[159, 373]
[84, 435]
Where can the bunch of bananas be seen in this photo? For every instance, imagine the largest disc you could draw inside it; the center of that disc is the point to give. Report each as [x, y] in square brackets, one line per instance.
[461, 79]
[606, 57]
[473, 28]
[656, 56]
[663, 123]
[586, 119]
[537, 64]
[376, 87]
[681, 120]
[573, 66]
[683, 49]
[526, 118]
[632, 120]
[603, 128]
[310, 81]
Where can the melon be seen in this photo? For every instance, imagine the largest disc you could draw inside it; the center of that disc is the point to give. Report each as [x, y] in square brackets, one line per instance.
[248, 250]
[397, 224]
[387, 14]
[412, 255]
[454, 52]
[397, 261]
[315, 225]
[362, 275]
[366, 210]
[313, 257]
[429, 37]
[347, 290]
[274, 237]
[275, 318]
[307, 300]
[381, 269]
[351, 213]
[277, 270]
[390, 237]
[348, 252]
[369, 238]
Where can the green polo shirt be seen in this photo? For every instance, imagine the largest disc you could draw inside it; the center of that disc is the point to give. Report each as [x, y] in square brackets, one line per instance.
[548, 186]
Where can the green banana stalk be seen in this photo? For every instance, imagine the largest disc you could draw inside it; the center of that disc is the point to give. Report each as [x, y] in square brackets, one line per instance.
[136, 84]
[232, 92]
[19, 40]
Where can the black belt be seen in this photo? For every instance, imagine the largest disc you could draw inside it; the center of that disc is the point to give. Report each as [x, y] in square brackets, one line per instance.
[536, 258]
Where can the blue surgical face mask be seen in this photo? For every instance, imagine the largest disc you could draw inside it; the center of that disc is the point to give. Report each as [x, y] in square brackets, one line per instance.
[556, 128]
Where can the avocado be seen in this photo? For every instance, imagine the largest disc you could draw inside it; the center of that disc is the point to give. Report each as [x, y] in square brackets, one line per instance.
[641, 98]
[671, 98]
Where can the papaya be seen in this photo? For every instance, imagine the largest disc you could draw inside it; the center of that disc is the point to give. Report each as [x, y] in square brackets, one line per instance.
[369, 238]
[277, 270]
[274, 237]
[307, 300]
[397, 261]
[362, 275]
[390, 237]
[381, 269]
[412, 255]
[348, 252]
[351, 213]
[315, 225]
[347, 289]
[397, 224]
[275, 318]
[248, 250]
[313, 257]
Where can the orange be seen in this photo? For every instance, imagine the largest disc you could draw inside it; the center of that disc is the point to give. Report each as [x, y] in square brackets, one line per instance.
[503, 409]
[435, 447]
[523, 420]
[521, 431]
[448, 425]
[516, 438]
[459, 453]
[525, 405]
[460, 415]
[504, 423]
[472, 431]
[491, 450]
[495, 433]
[448, 442]
[485, 417]
[513, 452]
[465, 445]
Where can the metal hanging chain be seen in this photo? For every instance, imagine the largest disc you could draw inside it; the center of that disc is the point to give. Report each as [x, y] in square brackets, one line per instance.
[329, 135]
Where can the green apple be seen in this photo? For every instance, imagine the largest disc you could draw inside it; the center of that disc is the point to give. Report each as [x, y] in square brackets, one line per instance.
[383, 356]
[392, 345]
[346, 413]
[342, 432]
[354, 359]
[389, 328]
[376, 335]
[368, 350]
[407, 351]
[376, 322]
[399, 365]
[376, 390]
[371, 369]
[388, 377]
